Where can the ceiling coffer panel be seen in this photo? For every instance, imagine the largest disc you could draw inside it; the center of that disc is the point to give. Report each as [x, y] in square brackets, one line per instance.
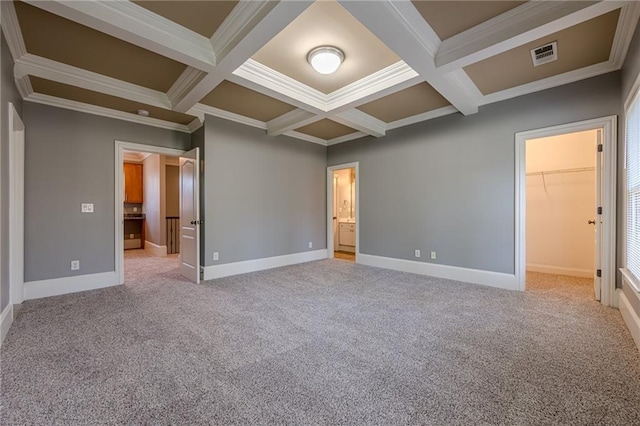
[585, 44]
[448, 18]
[405, 103]
[326, 129]
[53, 37]
[202, 17]
[64, 91]
[234, 98]
[326, 23]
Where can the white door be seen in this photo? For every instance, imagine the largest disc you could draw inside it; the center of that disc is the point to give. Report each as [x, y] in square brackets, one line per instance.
[190, 215]
[597, 276]
[16, 206]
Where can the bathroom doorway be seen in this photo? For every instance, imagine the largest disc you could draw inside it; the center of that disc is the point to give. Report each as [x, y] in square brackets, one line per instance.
[342, 202]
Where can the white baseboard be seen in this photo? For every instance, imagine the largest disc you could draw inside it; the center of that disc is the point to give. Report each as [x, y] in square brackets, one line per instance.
[473, 276]
[560, 270]
[629, 316]
[6, 319]
[58, 286]
[228, 269]
[155, 249]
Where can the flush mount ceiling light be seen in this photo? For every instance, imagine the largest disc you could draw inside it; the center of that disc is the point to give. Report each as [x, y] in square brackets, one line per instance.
[325, 59]
[143, 112]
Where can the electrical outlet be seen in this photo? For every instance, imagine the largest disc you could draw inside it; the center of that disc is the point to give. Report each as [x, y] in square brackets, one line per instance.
[87, 208]
[417, 253]
[75, 265]
[433, 255]
[135, 209]
[310, 244]
[216, 256]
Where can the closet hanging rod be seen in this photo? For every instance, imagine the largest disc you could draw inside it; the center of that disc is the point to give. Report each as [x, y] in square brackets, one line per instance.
[552, 172]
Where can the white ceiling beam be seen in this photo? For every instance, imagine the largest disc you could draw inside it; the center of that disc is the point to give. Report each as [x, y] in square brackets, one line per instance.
[66, 74]
[401, 27]
[239, 38]
[200, 110]
[134, 24]
[11, 30]
[521, 25]
[362, 122]
[290, 121]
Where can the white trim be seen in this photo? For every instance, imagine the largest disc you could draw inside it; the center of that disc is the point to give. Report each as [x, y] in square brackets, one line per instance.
[362, 122]
[199, 109]
[195, 124]
[62, 73]
[11, 30]
[155, 249]
[627, 23]
[184, 84]
[560, 270]
[305, 137]
[23, 84]
[346, 138]
[6, 319]
[440, 112]
[135, 24]
[629, 316]
[608, 239]
[120, 147]
[630, 279]
[104, 112]
[329, 210]
[473, 276]
[516, 27]
[66, 285]
[244, 267]
[290, 121]
[15, 255]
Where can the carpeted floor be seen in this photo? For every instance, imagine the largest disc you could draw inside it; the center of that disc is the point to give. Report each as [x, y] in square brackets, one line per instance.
[327, 342]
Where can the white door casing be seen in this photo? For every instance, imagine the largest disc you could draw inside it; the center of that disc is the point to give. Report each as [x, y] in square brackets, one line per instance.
[330, 206]
[606, 221]
[597, 279]
[16, 206]
[190, 215]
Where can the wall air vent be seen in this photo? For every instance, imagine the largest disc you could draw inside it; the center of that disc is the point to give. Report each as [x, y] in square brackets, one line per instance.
[544, 54]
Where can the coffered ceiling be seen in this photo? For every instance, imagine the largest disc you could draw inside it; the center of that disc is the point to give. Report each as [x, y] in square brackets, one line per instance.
[246, 61]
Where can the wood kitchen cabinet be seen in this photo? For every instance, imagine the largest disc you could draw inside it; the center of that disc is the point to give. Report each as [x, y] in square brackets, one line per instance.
[133, 183]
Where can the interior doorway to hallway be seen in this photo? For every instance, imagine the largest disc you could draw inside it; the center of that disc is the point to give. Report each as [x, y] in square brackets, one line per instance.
[343, 208]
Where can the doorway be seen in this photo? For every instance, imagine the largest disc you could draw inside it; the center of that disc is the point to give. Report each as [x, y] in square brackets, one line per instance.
[562, 174]
[150, 210]
[342, 212]
[562, 200]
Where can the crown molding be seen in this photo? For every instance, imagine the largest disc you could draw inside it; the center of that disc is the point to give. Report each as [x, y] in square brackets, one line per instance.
[104, 112]
[11, 30]
[429, 115]
[187, 81]
[627, 22]
[305, 137]
[290, 121]
[516, 27]
[362, 122]
[62, 73]
[200, 110]
[195, 124]
[135, 24]
[346, 138]
[23, 84]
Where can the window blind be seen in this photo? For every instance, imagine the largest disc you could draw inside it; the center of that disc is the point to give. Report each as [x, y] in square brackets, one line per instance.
[632, 138]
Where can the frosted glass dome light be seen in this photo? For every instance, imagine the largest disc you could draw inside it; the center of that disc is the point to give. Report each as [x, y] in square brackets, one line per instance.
[325, 59]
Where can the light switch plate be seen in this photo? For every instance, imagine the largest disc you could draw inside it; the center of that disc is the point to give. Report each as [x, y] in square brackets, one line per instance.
[87, 207]
[75, 265]
[215, 255]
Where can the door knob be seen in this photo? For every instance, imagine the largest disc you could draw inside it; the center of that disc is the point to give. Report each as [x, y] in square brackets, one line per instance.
[591, 222]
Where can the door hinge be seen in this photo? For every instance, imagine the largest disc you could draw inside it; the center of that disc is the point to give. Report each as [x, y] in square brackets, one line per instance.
[599, 273]
[599, 210]
[599, 147]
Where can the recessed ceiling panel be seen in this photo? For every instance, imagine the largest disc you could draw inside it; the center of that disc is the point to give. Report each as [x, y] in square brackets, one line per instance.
[448, 18]
[59, 39]
[579, 46]
[326, 129]
[326, 23]
[202, 17]
[59, 90]
[405, 103]
[234, 98]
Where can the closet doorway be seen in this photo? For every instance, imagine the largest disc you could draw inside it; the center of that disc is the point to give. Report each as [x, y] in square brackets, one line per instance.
[342, 212]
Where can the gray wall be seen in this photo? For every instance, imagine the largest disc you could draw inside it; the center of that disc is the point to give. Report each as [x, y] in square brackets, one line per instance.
[9, 93]
[264, 196]
[630, 72]
[172, 190]
[448, 184]
[69, 159]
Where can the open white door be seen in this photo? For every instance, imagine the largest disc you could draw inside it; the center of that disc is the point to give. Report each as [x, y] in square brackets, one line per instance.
[597, 275]
[190, 215]
[16, 206]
